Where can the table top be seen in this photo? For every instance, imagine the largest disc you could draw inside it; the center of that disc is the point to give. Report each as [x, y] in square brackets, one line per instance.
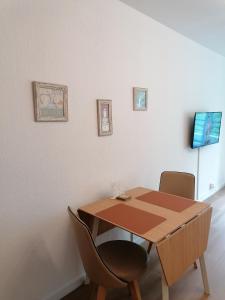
[149, 214]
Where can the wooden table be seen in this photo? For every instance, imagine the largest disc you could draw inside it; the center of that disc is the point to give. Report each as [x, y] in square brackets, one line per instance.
[179, 228]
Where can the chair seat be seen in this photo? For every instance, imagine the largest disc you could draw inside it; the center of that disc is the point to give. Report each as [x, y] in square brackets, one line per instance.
[125, 259]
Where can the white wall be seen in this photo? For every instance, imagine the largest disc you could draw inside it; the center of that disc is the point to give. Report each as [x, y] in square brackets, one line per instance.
[100, 49]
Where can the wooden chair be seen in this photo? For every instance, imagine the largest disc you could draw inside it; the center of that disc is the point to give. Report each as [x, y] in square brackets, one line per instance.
[179, 184]
[114, 264]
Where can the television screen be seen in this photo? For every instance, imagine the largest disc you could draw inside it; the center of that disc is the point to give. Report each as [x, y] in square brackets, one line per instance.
[206, 128]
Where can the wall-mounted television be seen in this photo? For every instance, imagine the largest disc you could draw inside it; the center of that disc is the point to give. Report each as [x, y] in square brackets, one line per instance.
[206, 129]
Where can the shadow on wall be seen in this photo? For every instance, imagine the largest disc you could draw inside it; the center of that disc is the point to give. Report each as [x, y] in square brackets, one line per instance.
[36, 274]
[31, 275]
[189, 127]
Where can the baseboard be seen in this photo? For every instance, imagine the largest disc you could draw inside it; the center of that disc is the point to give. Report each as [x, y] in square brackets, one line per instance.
[214, 191]
[66, 289]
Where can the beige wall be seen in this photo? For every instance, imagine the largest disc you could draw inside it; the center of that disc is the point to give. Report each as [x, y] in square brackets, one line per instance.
[100, 49]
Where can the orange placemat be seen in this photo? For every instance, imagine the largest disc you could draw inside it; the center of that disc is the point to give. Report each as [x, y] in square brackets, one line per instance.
[172, 202]
[130, 218]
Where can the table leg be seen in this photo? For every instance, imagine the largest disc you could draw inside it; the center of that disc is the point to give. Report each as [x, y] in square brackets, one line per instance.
[131, 237]
[165, 288]
[204, 274]
[94, 230]
[149, 247]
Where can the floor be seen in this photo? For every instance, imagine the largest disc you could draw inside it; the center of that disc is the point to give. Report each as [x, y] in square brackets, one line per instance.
[190, 286]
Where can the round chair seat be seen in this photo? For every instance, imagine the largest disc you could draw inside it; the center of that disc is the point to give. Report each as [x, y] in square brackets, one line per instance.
[125, 259]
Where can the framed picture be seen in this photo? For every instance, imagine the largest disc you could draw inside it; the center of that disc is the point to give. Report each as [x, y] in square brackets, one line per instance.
[140, 98]
[104, 114]
[50, 102]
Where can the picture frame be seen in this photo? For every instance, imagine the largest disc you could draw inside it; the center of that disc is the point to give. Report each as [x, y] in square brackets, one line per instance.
[140, 99]
[50, 102]
[104, 117]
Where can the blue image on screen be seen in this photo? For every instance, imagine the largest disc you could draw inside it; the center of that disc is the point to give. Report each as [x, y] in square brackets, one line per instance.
[206, 128]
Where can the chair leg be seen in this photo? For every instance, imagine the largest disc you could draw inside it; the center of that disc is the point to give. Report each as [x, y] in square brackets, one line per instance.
[101, 293]
[135, 290]
[149, 247]
[92, 291]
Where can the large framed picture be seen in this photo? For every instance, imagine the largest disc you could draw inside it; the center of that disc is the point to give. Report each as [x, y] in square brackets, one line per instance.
[104, 115]
[140, 98]
[50, 102]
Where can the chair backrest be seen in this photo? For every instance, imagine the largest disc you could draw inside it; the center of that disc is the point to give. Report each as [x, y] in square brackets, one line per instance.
[94, 266]
[178, 183]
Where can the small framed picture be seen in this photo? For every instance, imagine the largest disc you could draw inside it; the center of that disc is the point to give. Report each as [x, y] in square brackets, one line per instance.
[104, 115]
[50, 102]
[140, 98]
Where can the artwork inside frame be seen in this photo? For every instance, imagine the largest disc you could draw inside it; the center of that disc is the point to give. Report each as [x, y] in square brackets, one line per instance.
[50, 102]
[140, 99]
[104, 115]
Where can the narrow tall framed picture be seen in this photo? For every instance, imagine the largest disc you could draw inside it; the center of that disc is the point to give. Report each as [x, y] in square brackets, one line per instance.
[50, 102]
[140, 98]
[104, 116]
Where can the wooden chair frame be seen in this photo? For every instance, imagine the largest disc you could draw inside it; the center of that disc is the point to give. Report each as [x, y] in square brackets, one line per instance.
[101, 290]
